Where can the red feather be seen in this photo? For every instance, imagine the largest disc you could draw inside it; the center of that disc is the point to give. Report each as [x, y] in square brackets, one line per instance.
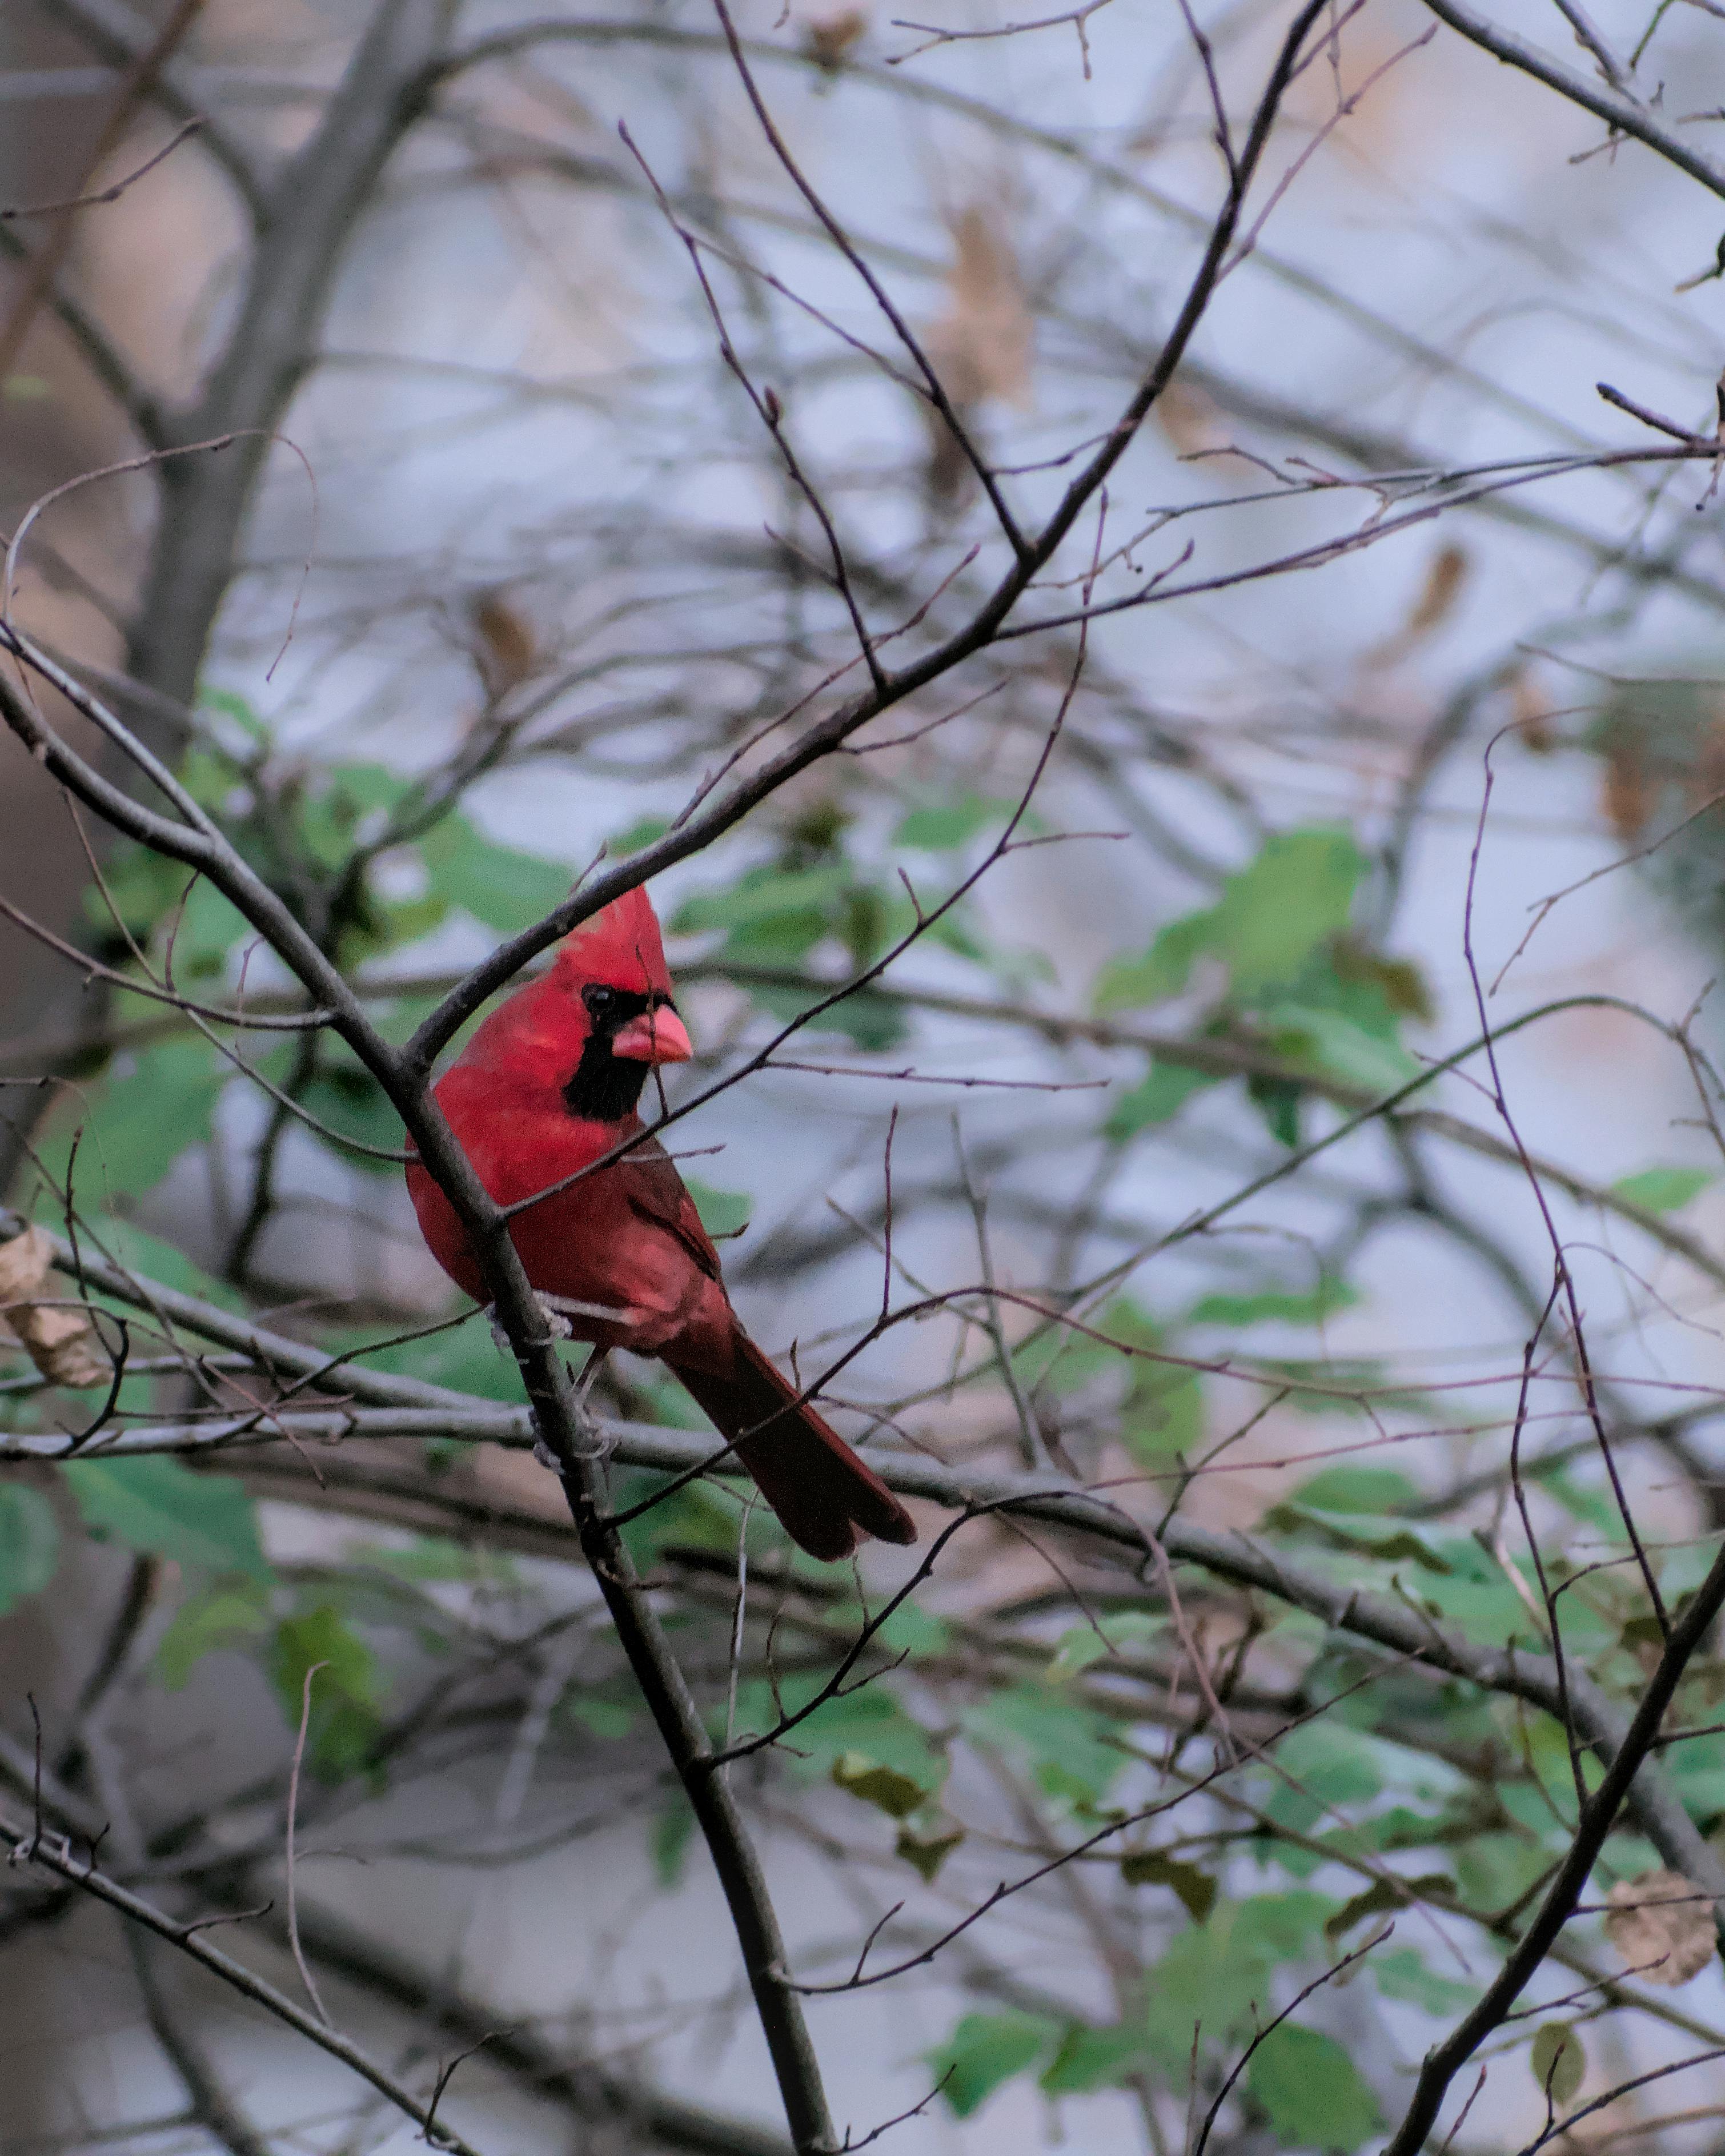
[625, 1240]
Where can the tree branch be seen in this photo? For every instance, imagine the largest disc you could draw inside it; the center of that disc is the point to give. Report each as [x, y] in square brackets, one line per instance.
[1599, 1814]
[1623, 115]
[54, 1854]
[308, 216]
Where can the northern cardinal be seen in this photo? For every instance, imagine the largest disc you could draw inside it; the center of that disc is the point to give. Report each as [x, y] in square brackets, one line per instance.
[548, 1084]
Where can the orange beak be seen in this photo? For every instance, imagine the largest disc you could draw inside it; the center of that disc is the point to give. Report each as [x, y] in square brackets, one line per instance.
[656, 1036]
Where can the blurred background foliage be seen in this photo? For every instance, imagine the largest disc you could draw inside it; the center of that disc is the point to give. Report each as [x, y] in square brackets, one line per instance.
[1110, 1122]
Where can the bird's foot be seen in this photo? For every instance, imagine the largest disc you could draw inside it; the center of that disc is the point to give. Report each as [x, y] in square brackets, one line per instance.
[591, 1441]
[556, 1326]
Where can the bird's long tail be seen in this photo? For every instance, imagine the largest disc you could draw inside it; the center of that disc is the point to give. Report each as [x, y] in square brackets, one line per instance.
[824, 1496]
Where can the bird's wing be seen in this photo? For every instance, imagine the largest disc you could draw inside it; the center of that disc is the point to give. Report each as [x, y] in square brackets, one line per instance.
[657, 1194]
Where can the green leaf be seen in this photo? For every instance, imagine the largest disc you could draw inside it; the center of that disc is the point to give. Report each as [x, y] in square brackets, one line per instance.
[161, 1263]
[722, 1212]
[1278, 1101]
[1276, 1306]
[939, 830]
[897, 1795]
[642, 831]
[29, 1544]
[351, 1100]
[985, 2050]
[1156, 1101]
[203, 932]
[466, 1359]
[226, 703]
[1557, 2062]
[1066, 1748]
[1085, 1644]
[160, 904]
[1091, 2058]
[343, 1727]
[1195, 1889]
[148, 1111]
[870, 1021]
[1162, 1412]
[1312, 2091]
[501, 886]
[794, 905]
[223, 1616]
[1386, 1540]
[1338, 1765]
[1383, 1897]
[1377, 990]
[925, 1848]
[1346, 1488]
[436, 1558]
[1276, 910]
[607, 1719]
[673, 1828]
[1663, 1189]
[1164, 970]
[1400, 1973]
[868, 1722]
[1218, 1974]
[908, 1630]
[1338, 1046]
[157, 1507]
[338, 801]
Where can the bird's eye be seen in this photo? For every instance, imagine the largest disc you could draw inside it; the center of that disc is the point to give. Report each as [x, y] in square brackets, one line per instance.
[598, 998]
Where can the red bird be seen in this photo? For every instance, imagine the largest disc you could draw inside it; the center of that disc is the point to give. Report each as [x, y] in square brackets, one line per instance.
[548, 1084]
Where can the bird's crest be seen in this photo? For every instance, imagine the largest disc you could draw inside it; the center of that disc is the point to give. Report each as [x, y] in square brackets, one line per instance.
[620, 946]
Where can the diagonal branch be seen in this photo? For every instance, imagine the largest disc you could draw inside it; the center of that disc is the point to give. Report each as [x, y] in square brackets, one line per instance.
[557, 1417]
[1622, 115]
[54, 1854]
[212, 2106]
[699, 829]
[101, 357]
[111, 30]
[308, 216]
[409, 1404]
[1598, 1817]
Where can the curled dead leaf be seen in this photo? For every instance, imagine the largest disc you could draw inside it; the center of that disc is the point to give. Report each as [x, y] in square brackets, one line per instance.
[980, 347]
[1532, 712]
[1627, 794]
[1433, 604]
[1191, 418]
[828, 38]
[981, 344]
[1707, 780]
[59, 1338]
[1439, 592]
[504, 648]
[1662, 1925]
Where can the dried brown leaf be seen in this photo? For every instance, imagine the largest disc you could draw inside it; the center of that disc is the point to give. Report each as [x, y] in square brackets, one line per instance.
[1191, 418]
[981, 345]
[1627, 794]
[1433, 604]
[59, 1338]
[506, 652]
[1532, 712]
[1439, 593]
[828, 38]
[1662, 1926]
[1708, 780]
[25, 1261]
